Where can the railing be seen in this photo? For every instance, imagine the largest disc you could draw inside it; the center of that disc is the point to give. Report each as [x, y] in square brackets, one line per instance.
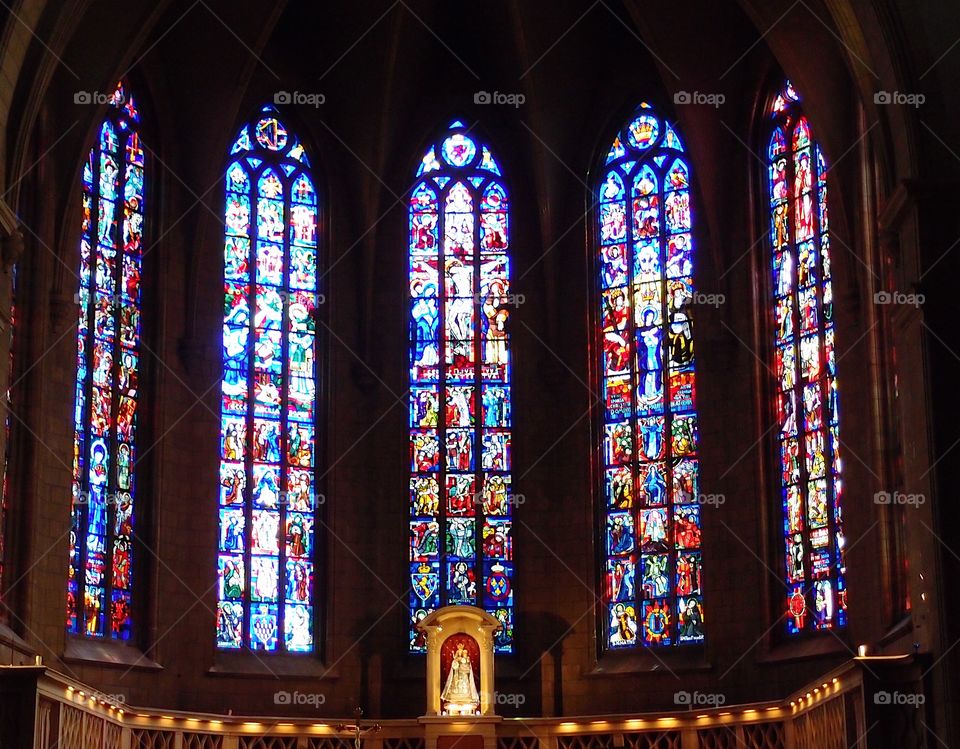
[846, 708]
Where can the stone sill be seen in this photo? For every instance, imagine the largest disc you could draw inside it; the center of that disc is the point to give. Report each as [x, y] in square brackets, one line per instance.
[646, 661]
[822, 645]
[111, 654]
[16, 643]
[258, 665]
[900, 630]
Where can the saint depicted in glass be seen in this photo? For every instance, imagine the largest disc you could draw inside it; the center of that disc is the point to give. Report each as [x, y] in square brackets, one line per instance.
[653, 594]
[268, 461]
[461, 536]
[805, 370]
[100, 577]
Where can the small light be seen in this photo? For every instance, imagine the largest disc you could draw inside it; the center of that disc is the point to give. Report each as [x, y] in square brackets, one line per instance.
[836, 680]
[120, 710]
[792, 703]
[862, 651]
[923, 596]
[809, 696]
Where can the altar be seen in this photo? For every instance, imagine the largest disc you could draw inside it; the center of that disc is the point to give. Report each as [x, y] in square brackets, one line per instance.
[460, 678]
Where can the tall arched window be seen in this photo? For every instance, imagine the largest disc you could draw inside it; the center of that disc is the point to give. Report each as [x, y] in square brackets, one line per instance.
[651, 507]
[461, 539]
[805, 371]
[7, 423]
[268, 500]
[100, 584]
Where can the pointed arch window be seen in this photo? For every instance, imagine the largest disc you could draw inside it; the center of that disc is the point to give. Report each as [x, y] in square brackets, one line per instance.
[805, 372]
[7, 424]
[461, 536]
[100, 578]
[653, 593]
[268, 447]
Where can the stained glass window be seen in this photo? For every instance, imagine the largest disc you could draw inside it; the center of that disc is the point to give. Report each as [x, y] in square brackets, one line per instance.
[805, 371]
[268, 500]
[461, 537]
[100, 584]
[5, 489]
[650, 484]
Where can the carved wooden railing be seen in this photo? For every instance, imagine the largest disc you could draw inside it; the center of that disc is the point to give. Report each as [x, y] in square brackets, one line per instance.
[868, 703]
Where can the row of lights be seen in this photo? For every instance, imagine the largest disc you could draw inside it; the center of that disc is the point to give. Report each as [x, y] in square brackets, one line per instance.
[191, 721]
[810, 696]
[83, 696]
[566, 724]
[668, 719]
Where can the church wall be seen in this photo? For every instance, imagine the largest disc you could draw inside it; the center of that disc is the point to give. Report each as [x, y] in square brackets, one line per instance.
[383, 101]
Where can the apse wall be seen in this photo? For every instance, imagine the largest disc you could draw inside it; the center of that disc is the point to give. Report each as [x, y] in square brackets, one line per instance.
[407, 77]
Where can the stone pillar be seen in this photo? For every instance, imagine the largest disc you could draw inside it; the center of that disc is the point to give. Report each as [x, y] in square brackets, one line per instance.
[433, 673]
[487, 696]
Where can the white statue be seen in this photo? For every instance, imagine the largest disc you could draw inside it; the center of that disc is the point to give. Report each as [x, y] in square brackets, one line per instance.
[460, 692]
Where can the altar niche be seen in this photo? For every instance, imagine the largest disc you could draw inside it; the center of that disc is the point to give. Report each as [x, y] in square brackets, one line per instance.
[459, 661]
